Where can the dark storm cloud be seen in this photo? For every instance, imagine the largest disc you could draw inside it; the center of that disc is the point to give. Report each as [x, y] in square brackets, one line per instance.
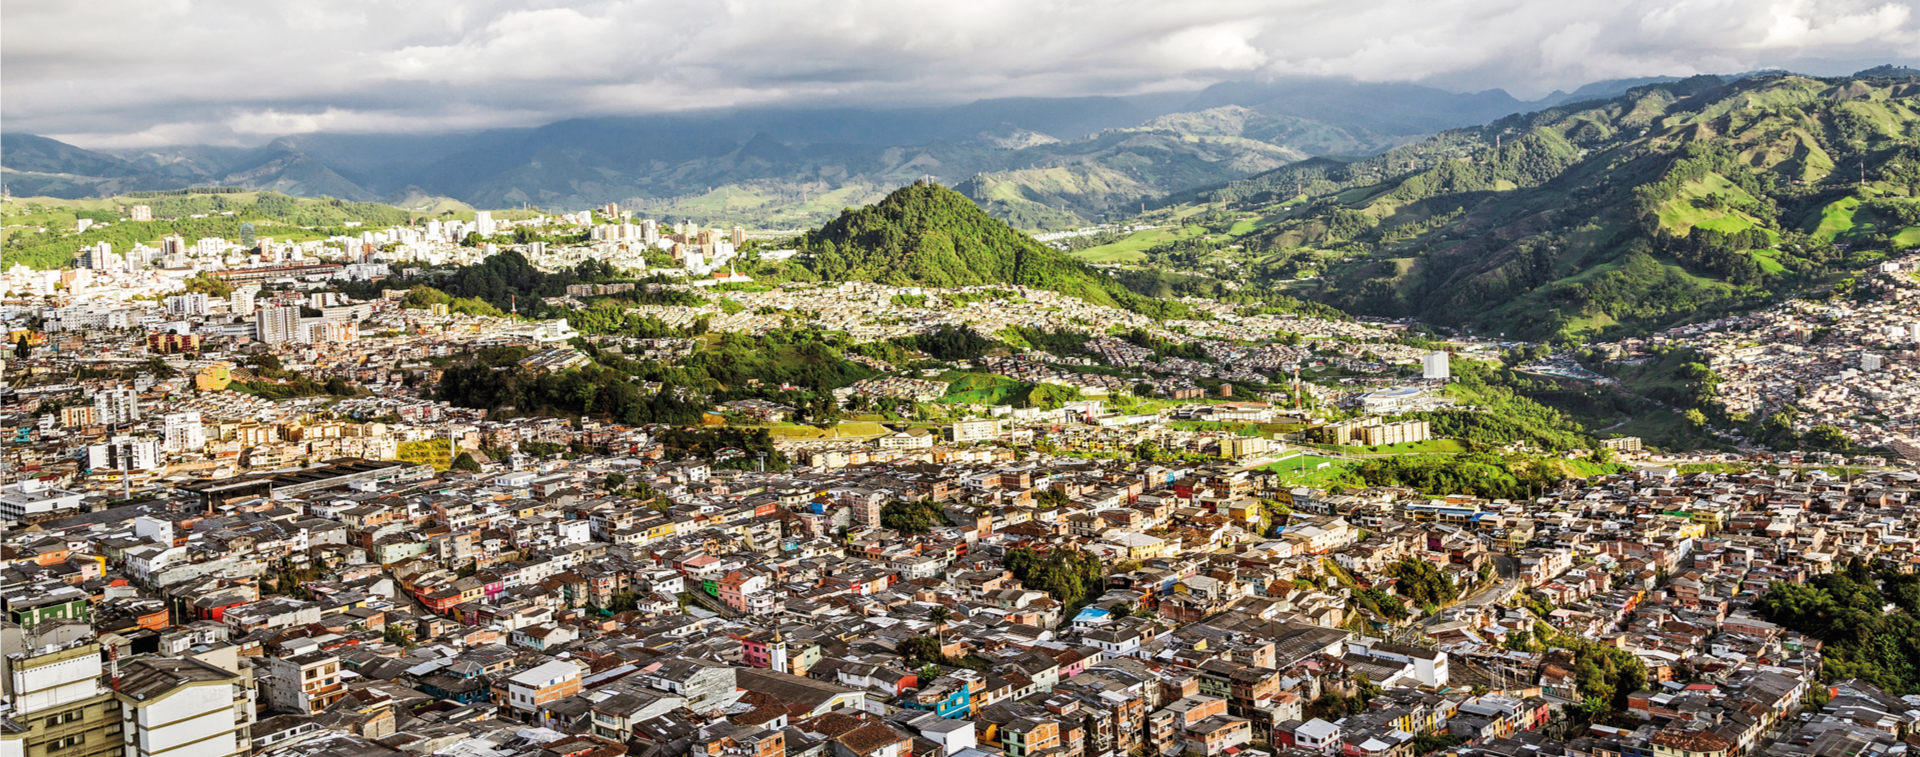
[142, 72]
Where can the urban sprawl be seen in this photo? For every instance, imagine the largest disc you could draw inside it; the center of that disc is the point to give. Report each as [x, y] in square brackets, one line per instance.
[193, 567]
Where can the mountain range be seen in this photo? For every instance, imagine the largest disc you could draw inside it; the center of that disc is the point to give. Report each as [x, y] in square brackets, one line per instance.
[1037, 162]
[1677, 201]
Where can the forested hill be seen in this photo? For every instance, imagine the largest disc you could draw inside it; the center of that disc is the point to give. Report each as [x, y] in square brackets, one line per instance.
[1680, 200]
[925, 234]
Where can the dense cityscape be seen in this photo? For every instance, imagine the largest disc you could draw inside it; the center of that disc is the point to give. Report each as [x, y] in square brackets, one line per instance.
[250, 512]
[628, 378]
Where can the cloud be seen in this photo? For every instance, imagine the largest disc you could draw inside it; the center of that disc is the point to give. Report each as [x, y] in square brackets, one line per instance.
[129, 72]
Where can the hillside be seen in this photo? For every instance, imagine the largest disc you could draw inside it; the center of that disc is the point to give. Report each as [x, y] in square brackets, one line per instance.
[40, 232]
[1037, 162]
[927, 235]
[1676, 201]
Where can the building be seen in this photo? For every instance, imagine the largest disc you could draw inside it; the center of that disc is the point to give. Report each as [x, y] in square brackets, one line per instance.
[56, 705]
[32, 500]
[128, 453]
[303, 684]
[114, 407]
[184, 707]
[183, 432]
[76, 416]
[1622, 444]
[169, 343]
[917, 438]
[1435, 367]
[241, 301]
[1244, 446]
[277, 325]
[973, 431]
[1872, 362]
[140, 213]
[1392, 400]
[1371, 431]
[527, 690]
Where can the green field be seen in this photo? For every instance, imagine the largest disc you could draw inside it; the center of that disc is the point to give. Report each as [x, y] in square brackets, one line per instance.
[434, 452]
[983, 389]
[1429, 447]
[1133, 248]
[1836, 218]
[1681, 214]
[1305, 471]
[848, 430]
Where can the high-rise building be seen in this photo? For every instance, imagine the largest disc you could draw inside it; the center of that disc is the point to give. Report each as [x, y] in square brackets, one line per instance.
[191, 303]
[54, 695]
[1872, 362]
[1435, 366]
[116, 406]
[278, 324]
[124, 453]
[241, 301]
[739, 236]
[140, 213]
[483, 221]
[187, 705]
[650, 233]
[183, 432]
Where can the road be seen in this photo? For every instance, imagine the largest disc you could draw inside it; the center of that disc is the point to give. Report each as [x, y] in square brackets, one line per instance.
[1508, 570]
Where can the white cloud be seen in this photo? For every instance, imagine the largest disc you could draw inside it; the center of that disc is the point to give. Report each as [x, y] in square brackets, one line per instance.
[235, 70]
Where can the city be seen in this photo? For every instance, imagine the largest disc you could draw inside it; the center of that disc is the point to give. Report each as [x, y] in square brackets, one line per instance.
[624, 379]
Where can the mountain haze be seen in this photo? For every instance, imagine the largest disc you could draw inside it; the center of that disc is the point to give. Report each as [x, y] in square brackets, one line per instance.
[1039, 162]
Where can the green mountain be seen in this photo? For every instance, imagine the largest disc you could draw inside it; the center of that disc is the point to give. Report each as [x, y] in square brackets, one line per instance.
[928, 235]
[1678, 200]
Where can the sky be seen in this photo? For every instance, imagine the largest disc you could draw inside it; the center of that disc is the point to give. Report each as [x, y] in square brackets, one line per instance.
[139, 73]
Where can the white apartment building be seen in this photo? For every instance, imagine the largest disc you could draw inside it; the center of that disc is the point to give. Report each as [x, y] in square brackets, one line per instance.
[277, 325]
[183, 432]
[114, 407]
[125, 453]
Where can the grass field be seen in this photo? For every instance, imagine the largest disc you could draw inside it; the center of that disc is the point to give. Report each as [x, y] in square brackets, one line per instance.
[1908, 237]
[434, 452]
[1767, 261]
[1428, 447]
[1836, 218]
[1306, 471]
[1133, 248]
[983, 389]
[848, 430]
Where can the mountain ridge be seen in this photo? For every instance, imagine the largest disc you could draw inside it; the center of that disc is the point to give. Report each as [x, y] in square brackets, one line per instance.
[1067, 169]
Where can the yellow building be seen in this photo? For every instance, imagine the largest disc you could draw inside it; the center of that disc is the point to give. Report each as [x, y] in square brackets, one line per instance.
[214, 378]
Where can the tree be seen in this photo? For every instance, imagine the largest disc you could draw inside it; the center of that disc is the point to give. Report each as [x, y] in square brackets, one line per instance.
[920, 651]
[398, 635]
[614, 480]
[21, 349]
[1827, 437]
[912, 517]
[938, 615]
[1695, 418]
